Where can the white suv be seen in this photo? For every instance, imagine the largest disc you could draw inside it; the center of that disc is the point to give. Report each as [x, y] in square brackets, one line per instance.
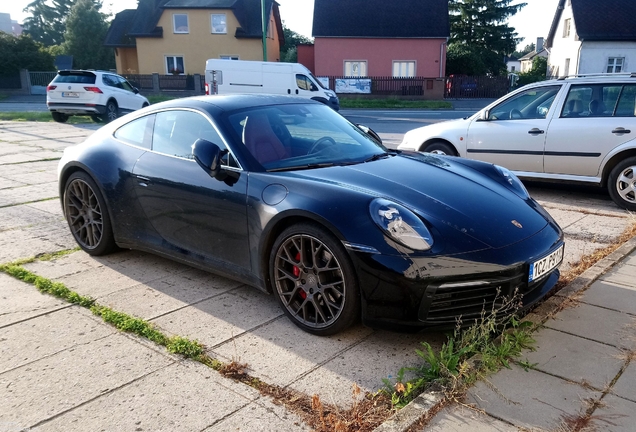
[578, 129]
[102, 95]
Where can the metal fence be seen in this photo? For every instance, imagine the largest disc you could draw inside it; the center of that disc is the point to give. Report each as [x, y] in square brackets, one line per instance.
[142, 82]
[41, 78]
[391, 86]
[476, 87]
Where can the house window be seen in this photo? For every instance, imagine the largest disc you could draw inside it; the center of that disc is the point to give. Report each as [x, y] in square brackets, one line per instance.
[566, 69]
[566, 27]
[174, 65]
[227, 57]
[403, 69]
[355, 68]
[219, 23]
[615, 64]
[513, 68]
[180, 23]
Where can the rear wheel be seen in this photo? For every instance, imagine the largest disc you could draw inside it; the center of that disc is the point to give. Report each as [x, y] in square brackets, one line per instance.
[440, 147]
[59, 117]
[111, 113]
[87, 215]
[314, 280]
[621, 184]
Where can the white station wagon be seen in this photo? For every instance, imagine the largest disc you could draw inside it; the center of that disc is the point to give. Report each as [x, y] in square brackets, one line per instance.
[575, 129]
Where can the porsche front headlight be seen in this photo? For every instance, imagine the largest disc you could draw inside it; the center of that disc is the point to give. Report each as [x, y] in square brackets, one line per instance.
[401, 224]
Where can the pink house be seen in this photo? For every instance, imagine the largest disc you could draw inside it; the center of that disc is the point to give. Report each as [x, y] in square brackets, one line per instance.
[399, 38]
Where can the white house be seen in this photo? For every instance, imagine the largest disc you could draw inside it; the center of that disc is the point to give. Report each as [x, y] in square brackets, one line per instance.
[589, 36]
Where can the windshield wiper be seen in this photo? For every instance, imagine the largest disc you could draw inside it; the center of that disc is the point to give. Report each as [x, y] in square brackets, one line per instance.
[375, 157]
[303, 167]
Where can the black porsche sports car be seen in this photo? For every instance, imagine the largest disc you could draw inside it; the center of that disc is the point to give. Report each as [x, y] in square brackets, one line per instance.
[286, 195]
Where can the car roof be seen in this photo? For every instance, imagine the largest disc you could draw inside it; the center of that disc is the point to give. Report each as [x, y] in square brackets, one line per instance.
[236, 101]
[593, 78]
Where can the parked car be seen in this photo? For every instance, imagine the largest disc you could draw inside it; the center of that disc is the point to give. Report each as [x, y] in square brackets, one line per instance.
[579, 129]
[284, 194]
[103, 96]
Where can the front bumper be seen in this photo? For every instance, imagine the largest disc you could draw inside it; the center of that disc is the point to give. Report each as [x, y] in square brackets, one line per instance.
[76, 108]
[435, 291]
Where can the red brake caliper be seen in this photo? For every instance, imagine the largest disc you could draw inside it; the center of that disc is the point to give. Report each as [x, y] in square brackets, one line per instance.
[296, 271]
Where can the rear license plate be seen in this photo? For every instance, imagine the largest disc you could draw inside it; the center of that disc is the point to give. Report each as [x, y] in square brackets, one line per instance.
[545, 264]
[70, 94]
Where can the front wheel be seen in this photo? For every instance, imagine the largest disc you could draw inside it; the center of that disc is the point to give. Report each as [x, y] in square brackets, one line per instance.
[621, 184]
[313, 280]
[87, 215]
[441, 148]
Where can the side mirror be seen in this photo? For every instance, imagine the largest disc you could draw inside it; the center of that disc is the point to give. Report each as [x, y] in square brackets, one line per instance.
[370, 133]
[208, 155]
[485, 116]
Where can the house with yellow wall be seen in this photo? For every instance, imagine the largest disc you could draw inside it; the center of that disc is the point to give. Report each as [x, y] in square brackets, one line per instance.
[177, 36]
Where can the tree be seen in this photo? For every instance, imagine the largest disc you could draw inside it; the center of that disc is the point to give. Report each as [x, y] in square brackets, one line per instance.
[537, 73]
[47, 21]
[86, 29]
[526, 50]
[22, 52]
[288, 52]
[481, 26]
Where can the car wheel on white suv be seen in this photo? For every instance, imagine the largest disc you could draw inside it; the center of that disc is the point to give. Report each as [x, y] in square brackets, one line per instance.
[103, 96]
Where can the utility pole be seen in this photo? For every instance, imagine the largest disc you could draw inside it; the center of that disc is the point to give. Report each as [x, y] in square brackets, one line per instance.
[264, 19]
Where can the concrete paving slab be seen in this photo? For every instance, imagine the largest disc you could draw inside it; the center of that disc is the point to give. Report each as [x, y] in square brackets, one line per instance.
[18, 195]
[621, 274]
[33, 240]
[55, 384]
[222, 317]
[280, 353]
[562, 199]
[616, 415]
[21, 301]
[49, 206]
[630, 260]
[77, 262]
[260, 416]
[23, 216]
[48, 334]
[6, 183]
[612, 296]
[38, 178]
[181, 397]
[458, 419]
[608, 327]
[379, 356]
[574, 358]
[595, 228]
[166, 295]
[625, 387]
[565, 218]
[575, 249]
[532, 399]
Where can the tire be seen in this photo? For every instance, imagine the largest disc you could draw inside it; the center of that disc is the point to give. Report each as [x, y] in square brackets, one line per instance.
[59, 117]
[440, 147]
[621, 184]
[308, 266]
[112, 112]
[87, 215]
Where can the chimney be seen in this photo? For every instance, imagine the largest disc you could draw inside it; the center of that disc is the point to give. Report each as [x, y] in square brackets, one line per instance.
[539, 46]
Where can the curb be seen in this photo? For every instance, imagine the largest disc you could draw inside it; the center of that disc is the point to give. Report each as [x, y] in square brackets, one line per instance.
[426, 404]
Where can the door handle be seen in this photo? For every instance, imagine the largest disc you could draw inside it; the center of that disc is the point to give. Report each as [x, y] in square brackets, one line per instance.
[536, 131]
[620, 130]
[296, 91]
[288, 91]
[143, 181]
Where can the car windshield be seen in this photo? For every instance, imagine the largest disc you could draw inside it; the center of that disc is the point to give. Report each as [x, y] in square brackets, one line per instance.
[299, 136]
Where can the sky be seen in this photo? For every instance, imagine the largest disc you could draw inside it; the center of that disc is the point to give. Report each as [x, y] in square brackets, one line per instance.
[531, 22]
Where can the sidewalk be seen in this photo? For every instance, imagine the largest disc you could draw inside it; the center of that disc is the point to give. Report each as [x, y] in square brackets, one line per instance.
[582, 374]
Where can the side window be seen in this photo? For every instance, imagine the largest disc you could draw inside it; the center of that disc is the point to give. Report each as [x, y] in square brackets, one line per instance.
[137, 132]
[530, 104]
[109, 80]
[124, 84]
[175, 132]
[305, 83]
[626, 106]
[591, 100]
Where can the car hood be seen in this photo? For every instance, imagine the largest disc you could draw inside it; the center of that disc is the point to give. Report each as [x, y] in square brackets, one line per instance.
[446, 193]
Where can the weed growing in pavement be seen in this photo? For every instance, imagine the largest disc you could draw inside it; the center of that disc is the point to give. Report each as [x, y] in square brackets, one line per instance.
[468, 354]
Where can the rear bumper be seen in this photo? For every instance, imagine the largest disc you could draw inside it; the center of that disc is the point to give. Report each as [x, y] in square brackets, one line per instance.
[76, 108]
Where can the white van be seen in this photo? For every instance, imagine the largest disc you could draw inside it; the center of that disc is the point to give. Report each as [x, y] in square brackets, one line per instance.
[240, 76]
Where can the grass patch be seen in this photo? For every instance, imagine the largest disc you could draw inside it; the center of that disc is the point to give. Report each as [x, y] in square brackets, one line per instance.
[394, 103]
[40, 117]
[153, 99]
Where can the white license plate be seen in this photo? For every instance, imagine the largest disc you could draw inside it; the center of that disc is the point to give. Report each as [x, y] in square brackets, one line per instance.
[545, 264]
[70, 94]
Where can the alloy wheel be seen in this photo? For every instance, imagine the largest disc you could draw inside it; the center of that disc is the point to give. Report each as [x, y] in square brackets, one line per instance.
[626, 184]
[310, 281]
[111, 111]
[84, 214]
